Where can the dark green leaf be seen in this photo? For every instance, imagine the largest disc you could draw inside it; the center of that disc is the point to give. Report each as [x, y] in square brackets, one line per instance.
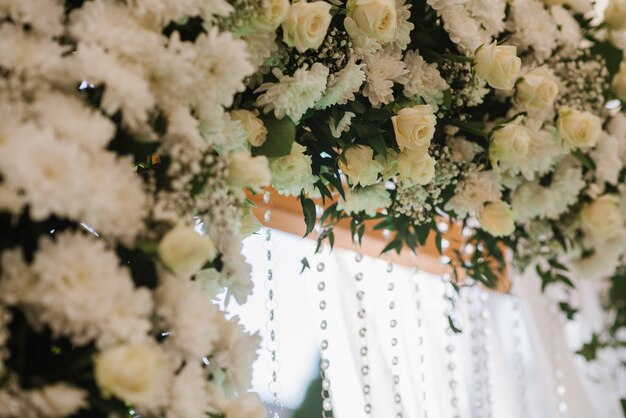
[308, 209]
[378, 144]
[281, 133]
[305, 265]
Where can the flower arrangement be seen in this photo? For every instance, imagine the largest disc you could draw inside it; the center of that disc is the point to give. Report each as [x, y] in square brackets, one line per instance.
[504, 116]
[122, 210]
[131, 130]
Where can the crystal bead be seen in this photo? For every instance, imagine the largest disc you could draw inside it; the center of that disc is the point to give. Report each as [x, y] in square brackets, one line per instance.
[321, 286]
[442, 226]
[393, 323]
[366, 389]
[390, 287]
[324, 344]
[363, 351]
[322, 305]
[389, 268]
[267, 216]
[362, 332]
[392, 305]
[325, 384]
[396, 379]
[397, 398]
[368, 408]
[361, 313]
[394, 361]
[394, 342]
[327, 404]
[323, 324]
[320, 267]
[358, 257]
[325, 364]
[360, 295]
[359, 276]
[365, 370]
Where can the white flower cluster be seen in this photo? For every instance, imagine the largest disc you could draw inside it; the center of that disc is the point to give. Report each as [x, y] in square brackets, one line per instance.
[115, 136]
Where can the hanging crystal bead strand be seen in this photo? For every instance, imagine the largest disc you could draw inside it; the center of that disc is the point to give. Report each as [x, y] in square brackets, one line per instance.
[450, 296]
[363, 351]
[478, 399]
[271, 324]
[420, 346]
[327, 400]
[518, 356]
[393, 325]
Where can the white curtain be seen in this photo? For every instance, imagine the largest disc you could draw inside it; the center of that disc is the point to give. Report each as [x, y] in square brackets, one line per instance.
[514, 359]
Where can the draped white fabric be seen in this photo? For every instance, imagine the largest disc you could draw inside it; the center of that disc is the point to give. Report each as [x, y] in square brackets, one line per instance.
[514, 358]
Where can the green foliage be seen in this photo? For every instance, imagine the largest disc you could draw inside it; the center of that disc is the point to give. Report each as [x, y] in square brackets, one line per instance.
[281, 133]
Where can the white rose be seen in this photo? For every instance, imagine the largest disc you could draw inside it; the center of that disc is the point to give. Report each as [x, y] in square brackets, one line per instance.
[274, 13]
[416, 167]
[498, 64]
[247, 405]
[602, 218]
[579, 129]
[615, 14]
[135, 373]
[365, 199]
[389, 164]
[306, 25]
[255, 131]
[245, 170]
[184, 251]
[537, 89]
[292, 173]
[376, 19]
[359, 165]
[509, 144]
[619, 83]
[414, 126]
[497, 219]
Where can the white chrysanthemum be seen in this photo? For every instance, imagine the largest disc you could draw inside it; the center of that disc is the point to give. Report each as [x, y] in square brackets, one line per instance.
[72, 120]
[365, 199]
[462, 150]
[533, 28]
[58, 400]
[472, 23]
[110, 26]
[339, 127]
[477, 188]
[126, 86]
[34, 57]
[261, 45]
[236, 273]
[606, 156]
[188, 395]
[224, 134]
[234, 353]
[43, 16]
[404, 26]
[423, 79]
[293, 95]
[158, 14]
[604, 261]
[222, 62]
[545, 148]
[382, 69]
[532, 200]
[77, 288]
[343, 85]
[569, 31]
[441, 4]
[189, 316]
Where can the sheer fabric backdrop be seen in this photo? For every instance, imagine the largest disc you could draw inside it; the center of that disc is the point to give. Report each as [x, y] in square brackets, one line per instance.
[537, 354]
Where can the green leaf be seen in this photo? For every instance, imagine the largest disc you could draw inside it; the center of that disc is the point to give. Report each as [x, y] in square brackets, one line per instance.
[378, 144]
[305, 265]
[308, 209]
[589, 350]
[377, 115]
[336, 182]
[568, 310]
[611, 54]
[453, 326]
[281, 133]
[584, 159]
[396, 245]
[554, 263]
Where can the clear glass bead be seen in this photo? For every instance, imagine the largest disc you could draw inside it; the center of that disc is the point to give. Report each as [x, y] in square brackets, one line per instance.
[358, 257]
[397, 398]
[323, 324]
[327, 404]
[390, 286]
[392, 305]
[393, 323]
[363, 351]
[389, 268]
[359, 276]
[368, 408]
[321, 286]
[366, 389]
[324, 344]
[394, 342]
[325, 384]
[365, 370]
[267, 216]
[325, 364]
[442, 226]
[320, 267]
[362, 332]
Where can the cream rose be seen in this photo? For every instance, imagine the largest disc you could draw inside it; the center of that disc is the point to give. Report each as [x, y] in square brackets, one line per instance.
[602, 218]
[245, 170]
[359, 165]
[292, 173]
[274, 13]
[579, 129]
[414, 126]
[250, 224]
[306, 25]
[255, 131]
[497, 219]
[619, 83]
[498, 64]
[376, 19]
[509, 144]
[416, 167]
[537, 89]
[615, 14]
[136, 373]
[184, 251]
